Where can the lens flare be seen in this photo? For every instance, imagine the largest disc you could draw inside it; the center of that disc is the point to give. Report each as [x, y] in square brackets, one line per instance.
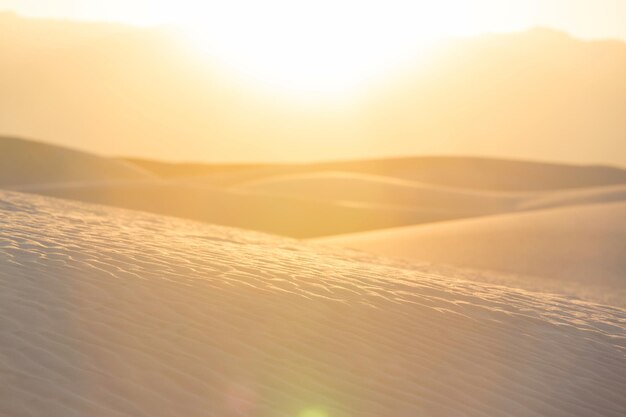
[313, 412]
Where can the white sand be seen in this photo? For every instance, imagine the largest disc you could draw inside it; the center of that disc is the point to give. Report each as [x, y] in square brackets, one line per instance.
[106, 312]
[578, 245]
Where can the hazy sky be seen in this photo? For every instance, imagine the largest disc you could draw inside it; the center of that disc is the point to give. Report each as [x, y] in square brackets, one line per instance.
[334, 45]
[315, 79]
[584, 18]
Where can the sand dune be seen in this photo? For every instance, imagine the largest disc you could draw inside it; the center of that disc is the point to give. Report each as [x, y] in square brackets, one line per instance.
[28, 162]
[337, 186]
[286, 216]
[303, 201]
[346, 186]
[487, 173]
[313, 205]
[606, 194]
[111, 312]
[491, 174]
[578, 245]
[234, 178]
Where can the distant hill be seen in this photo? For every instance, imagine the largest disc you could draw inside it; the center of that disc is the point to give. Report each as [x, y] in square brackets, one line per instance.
[374, 189]
[308, 200]
[458, 172]
[282, 215]
[40, 168]
[25, 162]
[128, 91]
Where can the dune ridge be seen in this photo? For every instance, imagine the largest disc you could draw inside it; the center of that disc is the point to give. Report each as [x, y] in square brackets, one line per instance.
[492, 174]
[461, 172]
[113, 312]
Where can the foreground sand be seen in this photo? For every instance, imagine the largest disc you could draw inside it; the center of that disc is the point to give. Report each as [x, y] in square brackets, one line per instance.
[106, 312]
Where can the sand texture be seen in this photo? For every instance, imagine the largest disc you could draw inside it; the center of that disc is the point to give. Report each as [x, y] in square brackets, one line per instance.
[107, 312]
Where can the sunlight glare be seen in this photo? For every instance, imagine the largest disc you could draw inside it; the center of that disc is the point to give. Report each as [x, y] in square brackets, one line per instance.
[320, 47]
[312, 412]
[323, 47]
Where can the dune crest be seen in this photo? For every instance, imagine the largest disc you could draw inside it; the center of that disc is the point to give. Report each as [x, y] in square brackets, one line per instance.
[460, 172]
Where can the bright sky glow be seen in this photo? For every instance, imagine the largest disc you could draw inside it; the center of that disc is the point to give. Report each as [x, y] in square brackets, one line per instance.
[328, 46]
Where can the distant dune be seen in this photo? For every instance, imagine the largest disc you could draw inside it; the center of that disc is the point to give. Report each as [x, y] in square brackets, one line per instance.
[487, 173]
[314, 205]
[459, 172]
[111, 312]
[191, 169]
[307, 200]
[288, 216]
[578, 245]
[606, 194]
[374, 189]
[27, 162]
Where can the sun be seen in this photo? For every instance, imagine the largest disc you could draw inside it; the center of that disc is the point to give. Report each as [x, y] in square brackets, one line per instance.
[319, 47]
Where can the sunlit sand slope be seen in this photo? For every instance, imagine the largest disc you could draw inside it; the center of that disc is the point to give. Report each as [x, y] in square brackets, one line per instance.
[583, 245]
[28, 162]
[106, 312]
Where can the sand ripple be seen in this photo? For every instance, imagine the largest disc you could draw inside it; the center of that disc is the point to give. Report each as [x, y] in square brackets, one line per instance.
[106, 312]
